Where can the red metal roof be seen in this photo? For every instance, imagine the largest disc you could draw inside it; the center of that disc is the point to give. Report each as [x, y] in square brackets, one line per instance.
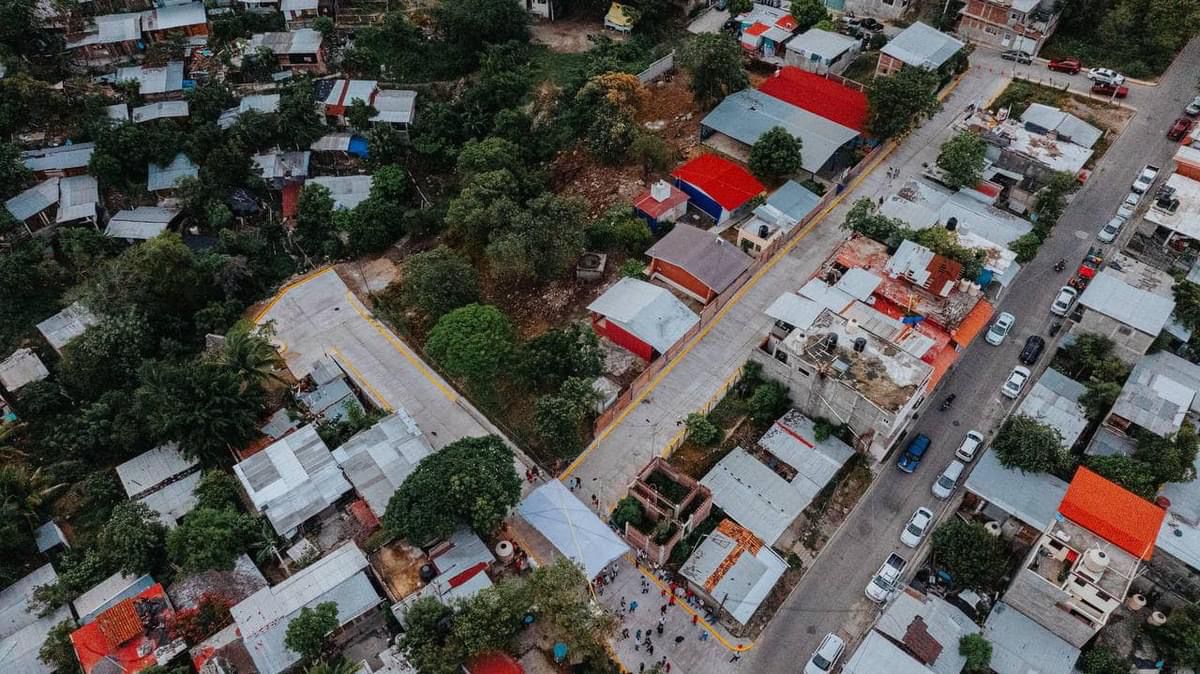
[820, 96]
[1115, 514]
[728, 184]
[757, 29]
[116, 635]
[494, 663]
[655, 209]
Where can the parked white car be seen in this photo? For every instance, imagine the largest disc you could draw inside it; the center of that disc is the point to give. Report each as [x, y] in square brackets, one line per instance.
[1015, 382]
[970, 446]
[1000, 328]
[948, 480]
[1062, 303]
[826, 657]
[1108, 233]
[1106, 76]
[914, 532]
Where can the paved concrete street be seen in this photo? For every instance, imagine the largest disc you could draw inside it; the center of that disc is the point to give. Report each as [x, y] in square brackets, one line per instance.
[831, 594]
[319, 315]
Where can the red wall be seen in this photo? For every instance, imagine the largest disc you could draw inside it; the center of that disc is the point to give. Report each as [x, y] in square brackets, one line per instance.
[622, 338]
[679, 275]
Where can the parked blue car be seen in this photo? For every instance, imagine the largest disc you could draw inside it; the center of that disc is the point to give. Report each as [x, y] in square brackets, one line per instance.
[911, 458]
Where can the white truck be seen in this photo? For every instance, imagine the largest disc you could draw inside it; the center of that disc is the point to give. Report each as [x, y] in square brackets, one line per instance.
[886, 579]
[1145, 179]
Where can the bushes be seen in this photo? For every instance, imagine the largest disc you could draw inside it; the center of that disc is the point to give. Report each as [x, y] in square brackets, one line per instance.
[702, 430]
[977, 651]
[628, 510]
[974, 557]
[768, 402]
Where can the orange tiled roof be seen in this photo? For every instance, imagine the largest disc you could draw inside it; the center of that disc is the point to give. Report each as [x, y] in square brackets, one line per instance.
[1115, 514]
[120, 623]
[744, 542]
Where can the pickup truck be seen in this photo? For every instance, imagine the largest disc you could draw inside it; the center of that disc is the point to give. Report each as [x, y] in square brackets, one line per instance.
[886, 579]
[1145, 179]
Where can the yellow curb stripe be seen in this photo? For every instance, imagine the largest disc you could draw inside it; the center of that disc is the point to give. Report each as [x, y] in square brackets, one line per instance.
[283, 290]
[360, 377]
[400, 347]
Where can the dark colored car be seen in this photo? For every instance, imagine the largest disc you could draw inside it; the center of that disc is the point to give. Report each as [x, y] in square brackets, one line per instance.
[911, 458]
[870, 24]
[1179, 129]
[1018, 56]
[1070, 66]
[1102, 89]
[731, 26]
[1033, 350]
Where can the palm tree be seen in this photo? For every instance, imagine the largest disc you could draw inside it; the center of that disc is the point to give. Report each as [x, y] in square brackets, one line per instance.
[22, 495]
[249, 353]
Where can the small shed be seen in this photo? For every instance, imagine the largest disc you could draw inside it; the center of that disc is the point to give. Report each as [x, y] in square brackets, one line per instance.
[786, 208]
[141, 223]
[821, 51]
[164, 480]
[21, 368]
[63, 327]
[732, 567]
[347, 191]
[661, 203]
[159, 110]
[153, 81]
[640, 317]
[699, 263]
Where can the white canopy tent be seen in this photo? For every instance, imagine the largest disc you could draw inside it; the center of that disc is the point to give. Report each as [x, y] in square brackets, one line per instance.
[572, 527]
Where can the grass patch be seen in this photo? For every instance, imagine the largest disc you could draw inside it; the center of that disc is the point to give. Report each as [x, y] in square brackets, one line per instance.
[863, 67]
[557, 67]
[1021, 94]
[1094, 51]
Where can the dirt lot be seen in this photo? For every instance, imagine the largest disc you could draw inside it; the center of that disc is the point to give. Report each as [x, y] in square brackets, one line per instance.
[670, 112]
[571, 35]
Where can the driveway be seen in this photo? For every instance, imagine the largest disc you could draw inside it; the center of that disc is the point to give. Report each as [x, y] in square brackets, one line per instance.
[709, 22]
[830, 596]
[318, 315]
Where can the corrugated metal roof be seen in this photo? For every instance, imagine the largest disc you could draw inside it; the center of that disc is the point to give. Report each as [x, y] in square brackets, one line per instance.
[705, 255]
[77, 198]
[744, 585]
[649, 312]
[755, 496]
[942, 621]
[160, 110]
[174, 500]
[49, 536]
[236, 584]
[922, 46]
[823, 43]
[118, 112]
[66, 325]
[1021, 646]
[21, 368]
[378, 460]
[830, 297]
[796, 311]
[1054, 402]
[301, 41]
[283, 164]
[33, 200]
[793, 440]
[113, 28]
[332, 142]
[347, 191]
[395, 106]
[1112, 512]
[1137, 308]
[107, 593]
[151, 468]
[22, 632]
[61, 158]
[158, 80]
[339, 577]
[264, 103]
[293, 479]
[143, 222]
[748, 114]
[1160, 391]
[343, 92]
[877, 654]
[174, 16]
[1032, 498]
[858, 283]
[1065, 124]
[166, 177]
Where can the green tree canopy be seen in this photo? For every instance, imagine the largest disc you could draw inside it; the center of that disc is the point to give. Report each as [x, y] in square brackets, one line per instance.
[540, 243]
[434, 283]
[359, 114]
[974, 557]
[58, 652]
[714, 61]
[1028, 445]
[808, 13]
[133, 538]
[978, 652]
[217, 490]
[895, 103]
[472, 25]
[469, 481]
[618, 229]
[210, 539]
[559, 353]
[962, 159]
[314, 218]
[13, 173]
[558, 417]
[1179, 639]
[307, 633]
[863, 218]
[1102, 660]
[473, 343]
[1126, 471]
[775, 156]
[1172, 459]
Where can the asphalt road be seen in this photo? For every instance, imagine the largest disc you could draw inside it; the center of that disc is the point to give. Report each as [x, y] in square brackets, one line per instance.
[830, 596]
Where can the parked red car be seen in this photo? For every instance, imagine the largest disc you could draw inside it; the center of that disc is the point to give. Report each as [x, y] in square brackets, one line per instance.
[1179, 129]
[1102, 89]
[1067, 65]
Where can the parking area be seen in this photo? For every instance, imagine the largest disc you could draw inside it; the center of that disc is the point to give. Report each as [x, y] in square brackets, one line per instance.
[318, 315]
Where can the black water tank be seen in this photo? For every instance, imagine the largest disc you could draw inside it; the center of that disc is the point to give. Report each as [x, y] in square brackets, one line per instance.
[860, 344]
[951, 224]
[763, 230]
[831, 340]
[427, 573]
